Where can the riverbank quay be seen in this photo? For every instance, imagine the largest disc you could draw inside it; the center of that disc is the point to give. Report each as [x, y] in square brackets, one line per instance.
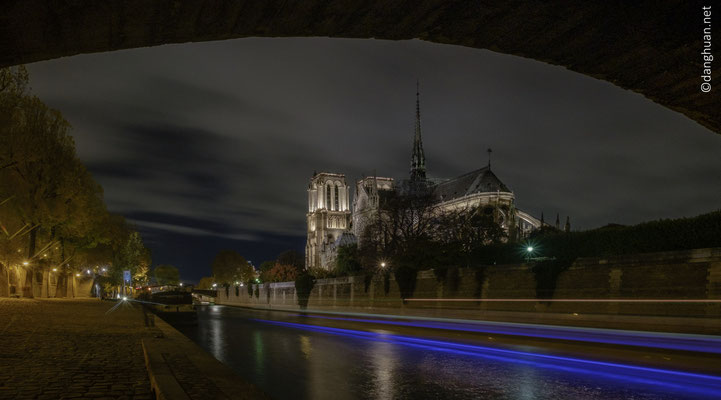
[180, 370]
[72, 349]
[93, 349]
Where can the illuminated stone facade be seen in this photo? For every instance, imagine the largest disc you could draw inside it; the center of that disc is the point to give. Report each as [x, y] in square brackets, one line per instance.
[328, 217]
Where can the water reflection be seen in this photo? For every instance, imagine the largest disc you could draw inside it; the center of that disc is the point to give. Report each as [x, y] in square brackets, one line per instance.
[259, 356]
[300, 361]
[217, 341]
[305, 346]
[382, 366]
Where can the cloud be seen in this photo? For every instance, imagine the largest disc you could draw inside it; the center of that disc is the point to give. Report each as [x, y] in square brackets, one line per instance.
[193, 231]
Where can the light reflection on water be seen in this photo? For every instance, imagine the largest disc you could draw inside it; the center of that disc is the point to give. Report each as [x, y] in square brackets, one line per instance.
[382, 367]
[305, 364]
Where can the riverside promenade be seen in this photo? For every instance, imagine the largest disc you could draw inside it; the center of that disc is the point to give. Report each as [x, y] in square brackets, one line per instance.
[72, 349]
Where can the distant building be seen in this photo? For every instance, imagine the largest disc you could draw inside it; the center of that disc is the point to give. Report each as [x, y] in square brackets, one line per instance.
[332, 224]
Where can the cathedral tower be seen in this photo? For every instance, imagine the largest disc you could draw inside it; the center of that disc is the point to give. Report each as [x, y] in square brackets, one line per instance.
[329, 215]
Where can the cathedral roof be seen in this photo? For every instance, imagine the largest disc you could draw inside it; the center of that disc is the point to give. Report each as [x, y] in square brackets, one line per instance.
[478, 181]
[346, 239]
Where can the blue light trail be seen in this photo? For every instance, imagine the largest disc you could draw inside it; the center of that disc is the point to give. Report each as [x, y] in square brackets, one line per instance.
[677, 381]
[661, 340]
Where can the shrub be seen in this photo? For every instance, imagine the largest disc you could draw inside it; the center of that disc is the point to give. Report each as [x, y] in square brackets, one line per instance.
[303, 287]
[406, 278]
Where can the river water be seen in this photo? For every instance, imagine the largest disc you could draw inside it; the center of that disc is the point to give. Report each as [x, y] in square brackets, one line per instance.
[291, 360]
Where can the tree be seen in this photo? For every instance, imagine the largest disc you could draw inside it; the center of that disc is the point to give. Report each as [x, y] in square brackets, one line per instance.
[47, 197]
[402, 234]
[264, 270]
[292, 258]
[130, 257]
[348, 260]
[206, 283]
[282, 273]
[166, 275]
[229, 267]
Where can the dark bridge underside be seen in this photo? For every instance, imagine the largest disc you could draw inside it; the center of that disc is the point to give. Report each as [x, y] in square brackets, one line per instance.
[650, 48]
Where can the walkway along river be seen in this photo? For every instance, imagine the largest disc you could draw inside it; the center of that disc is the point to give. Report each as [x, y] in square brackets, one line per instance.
[291, 355]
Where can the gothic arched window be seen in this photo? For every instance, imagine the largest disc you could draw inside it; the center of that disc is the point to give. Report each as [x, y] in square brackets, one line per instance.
[336, 198]
[327, 196]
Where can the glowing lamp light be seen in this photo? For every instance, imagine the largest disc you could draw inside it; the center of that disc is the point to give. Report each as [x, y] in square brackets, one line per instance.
[383, 265]
[25, 263]
[88, 271]
[55, 270]
[103, 270]
[125, 298]
[529, 249]
[237, 283]
[181, 284]
[77, 274]
[215, 285]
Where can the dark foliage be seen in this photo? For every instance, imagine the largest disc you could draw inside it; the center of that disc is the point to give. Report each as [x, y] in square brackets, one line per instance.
[303, 286]
[293, 258]
[348, 261]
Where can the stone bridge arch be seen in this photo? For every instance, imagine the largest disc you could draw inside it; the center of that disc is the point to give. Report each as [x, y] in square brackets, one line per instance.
[644, 46]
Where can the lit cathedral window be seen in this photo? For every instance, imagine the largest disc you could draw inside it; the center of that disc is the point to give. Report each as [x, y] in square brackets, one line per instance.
[336, 199]
[327, 196]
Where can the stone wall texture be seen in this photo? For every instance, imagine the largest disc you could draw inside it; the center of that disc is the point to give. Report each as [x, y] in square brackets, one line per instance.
[685, 275]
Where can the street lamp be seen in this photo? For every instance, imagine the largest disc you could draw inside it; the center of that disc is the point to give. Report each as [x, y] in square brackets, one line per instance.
[529, 251]
[215, 285]
[25, 263]
[383, 265]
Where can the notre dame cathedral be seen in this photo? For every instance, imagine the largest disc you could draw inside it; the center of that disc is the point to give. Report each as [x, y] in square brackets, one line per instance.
[333, 223]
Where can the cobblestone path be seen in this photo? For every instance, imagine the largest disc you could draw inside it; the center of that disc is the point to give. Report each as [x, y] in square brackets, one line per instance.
[71, 349]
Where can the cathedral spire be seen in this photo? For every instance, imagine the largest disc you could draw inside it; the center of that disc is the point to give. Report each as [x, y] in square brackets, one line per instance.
[418, 160]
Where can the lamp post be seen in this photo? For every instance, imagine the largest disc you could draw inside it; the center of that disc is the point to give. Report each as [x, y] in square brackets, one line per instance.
[529, 253]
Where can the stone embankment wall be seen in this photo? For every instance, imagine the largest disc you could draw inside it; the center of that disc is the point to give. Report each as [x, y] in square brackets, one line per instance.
[45, 284]
[694, 274]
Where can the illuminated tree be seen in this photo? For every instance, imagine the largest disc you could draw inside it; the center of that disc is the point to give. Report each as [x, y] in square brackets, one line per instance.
[206, 283]
[229, 267]
[166, 275]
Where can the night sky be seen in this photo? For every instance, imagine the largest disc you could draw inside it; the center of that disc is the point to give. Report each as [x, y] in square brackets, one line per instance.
[209, 146]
